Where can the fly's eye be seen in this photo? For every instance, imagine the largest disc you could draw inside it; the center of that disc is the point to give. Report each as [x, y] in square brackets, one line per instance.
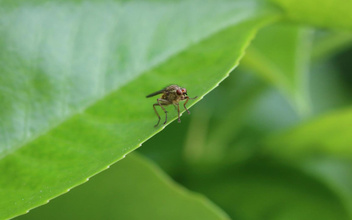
[184, 91]
[179, 92]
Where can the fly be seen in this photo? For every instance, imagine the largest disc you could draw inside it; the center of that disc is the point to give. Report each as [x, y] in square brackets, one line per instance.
[171, 95]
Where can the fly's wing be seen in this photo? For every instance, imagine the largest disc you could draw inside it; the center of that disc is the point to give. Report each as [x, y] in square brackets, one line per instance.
[155, 93]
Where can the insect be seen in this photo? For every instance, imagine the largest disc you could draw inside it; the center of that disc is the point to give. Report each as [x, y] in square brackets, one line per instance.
[172, 94]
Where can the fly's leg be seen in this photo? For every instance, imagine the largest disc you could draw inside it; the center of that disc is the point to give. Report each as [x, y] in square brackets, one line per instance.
[161, 105]
[184, 105]
[156, 112]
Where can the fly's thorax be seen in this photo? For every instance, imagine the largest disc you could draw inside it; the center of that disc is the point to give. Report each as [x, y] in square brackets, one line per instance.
[172, 97]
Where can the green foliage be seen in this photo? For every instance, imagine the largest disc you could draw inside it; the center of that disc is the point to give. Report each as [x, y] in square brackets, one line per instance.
[306, 139]
[287, 71]
[322, 13]
[271, 142]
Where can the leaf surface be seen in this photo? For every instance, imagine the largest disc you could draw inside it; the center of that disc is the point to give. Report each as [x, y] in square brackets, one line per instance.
[74, 76]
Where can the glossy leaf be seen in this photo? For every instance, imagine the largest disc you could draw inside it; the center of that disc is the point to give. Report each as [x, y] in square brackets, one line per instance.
[84, 68]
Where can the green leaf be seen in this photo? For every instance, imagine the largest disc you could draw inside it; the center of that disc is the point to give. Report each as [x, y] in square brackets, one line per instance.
[74, 76]
[132, 189]
[321, 13]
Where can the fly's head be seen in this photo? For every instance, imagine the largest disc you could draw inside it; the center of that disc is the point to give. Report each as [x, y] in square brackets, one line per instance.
[182, 93]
